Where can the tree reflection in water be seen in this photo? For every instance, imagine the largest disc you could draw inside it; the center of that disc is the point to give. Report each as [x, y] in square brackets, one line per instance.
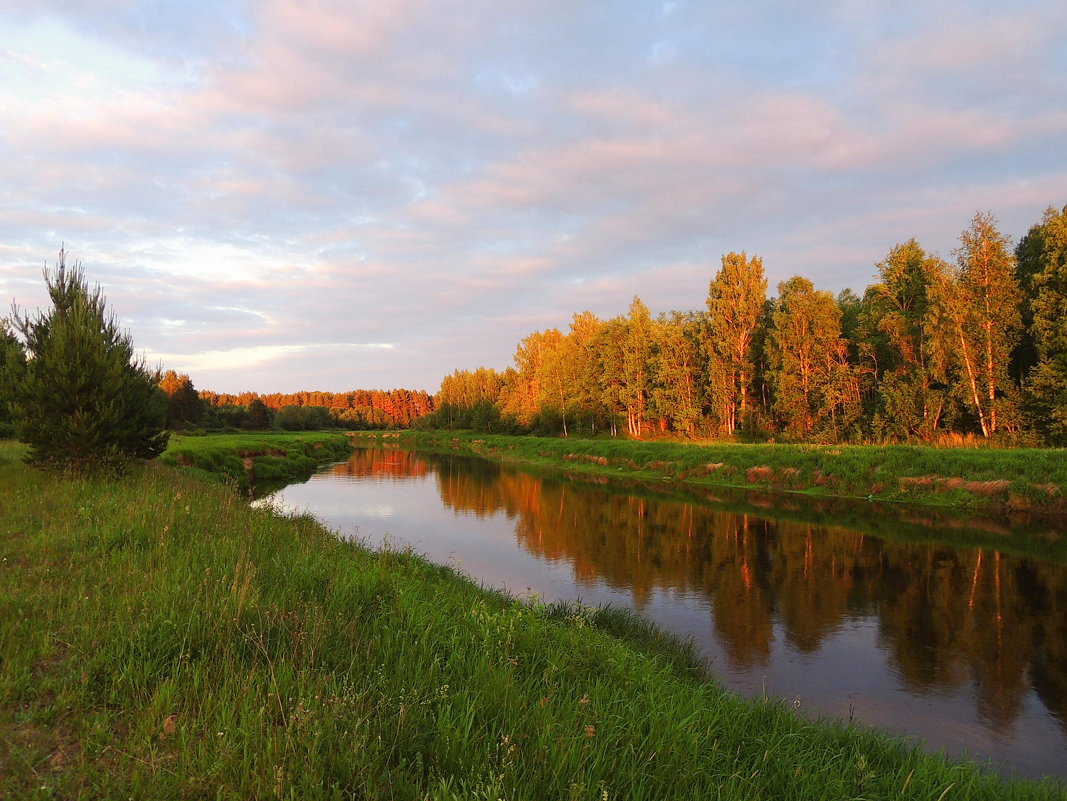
[949, 618]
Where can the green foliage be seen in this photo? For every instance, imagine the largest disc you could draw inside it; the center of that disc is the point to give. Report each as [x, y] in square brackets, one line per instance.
[930, 352]
[469, 399]
[259, 416]
[12, 363]
[361, 418]
[981, 299]
[676, 363]
[1047, 389]
[184, 406]
[906, 343]
[736, 299]
[303, 418]
[83, 400]
[808, 369]
[636, 368]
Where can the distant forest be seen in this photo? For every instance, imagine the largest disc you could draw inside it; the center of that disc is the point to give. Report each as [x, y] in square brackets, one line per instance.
[932, 352]
[357, 410]
[935, 352]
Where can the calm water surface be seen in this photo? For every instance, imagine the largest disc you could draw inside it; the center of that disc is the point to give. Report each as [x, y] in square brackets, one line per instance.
[963, 648]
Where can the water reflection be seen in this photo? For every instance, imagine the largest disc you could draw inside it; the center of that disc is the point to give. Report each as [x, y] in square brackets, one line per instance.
[966, 647]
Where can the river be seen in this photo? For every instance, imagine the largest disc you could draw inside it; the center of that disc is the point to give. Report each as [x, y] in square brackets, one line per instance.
[962, 648]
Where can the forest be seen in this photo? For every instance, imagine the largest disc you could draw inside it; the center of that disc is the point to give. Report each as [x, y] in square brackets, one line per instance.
[934, 352]
[357, 410]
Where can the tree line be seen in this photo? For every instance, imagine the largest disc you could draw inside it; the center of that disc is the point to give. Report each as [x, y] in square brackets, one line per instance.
[296, 411]
[932, 351]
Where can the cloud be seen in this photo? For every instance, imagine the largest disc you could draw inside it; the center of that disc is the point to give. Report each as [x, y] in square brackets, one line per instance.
[243, 358]
[251, 175]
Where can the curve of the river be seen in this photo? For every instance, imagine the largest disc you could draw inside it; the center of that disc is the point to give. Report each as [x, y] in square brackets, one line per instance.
[962, 648]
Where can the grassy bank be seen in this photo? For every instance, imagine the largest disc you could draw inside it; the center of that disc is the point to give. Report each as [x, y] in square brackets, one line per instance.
[161, 639]
[256, 460]
[1016, 480]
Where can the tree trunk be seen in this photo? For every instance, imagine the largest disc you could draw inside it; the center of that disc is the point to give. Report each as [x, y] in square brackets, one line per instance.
[968, 362]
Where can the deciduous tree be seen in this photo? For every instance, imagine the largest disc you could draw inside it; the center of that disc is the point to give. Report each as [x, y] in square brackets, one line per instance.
[184, 404]
[808, 366]
[906, 342]
[676, 395]
[982, 302]
[736, 298]
[1048, 381]
[636, 366]
[528, 390]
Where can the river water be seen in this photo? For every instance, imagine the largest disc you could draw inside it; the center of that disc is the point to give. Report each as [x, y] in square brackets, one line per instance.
[855, 612]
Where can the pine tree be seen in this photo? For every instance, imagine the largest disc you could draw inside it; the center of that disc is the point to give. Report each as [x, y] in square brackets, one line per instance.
[83, 400]
[12, 361]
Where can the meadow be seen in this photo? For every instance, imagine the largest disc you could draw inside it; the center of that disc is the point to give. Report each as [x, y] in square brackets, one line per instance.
[160, 638]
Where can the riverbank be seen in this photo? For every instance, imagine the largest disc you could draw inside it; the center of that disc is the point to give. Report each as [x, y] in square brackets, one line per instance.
[255, 461]
[162, 639]
[1030, 479]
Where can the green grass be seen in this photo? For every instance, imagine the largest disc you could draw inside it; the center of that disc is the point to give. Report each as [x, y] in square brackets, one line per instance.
[160, 639]
[1019, 479]
[255, 460]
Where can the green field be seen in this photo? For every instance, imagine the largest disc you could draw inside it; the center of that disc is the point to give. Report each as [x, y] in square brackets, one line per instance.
[162, 639]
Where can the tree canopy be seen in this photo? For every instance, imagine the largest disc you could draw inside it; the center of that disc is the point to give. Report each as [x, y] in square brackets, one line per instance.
[930, 351]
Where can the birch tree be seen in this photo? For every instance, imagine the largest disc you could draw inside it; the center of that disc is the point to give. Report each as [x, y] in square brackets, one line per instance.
[636, 366]
[736, 298]
[982, 303]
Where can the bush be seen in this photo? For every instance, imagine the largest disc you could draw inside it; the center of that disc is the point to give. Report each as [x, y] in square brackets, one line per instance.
[82, 400]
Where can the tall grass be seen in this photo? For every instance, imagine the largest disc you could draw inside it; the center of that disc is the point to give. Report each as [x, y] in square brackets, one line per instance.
[161, 639]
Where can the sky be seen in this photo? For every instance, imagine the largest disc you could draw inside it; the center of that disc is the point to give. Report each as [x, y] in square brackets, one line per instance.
[277, 195]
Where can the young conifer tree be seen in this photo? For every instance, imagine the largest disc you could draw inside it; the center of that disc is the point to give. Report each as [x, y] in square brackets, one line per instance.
[12, 361]
[83, 400]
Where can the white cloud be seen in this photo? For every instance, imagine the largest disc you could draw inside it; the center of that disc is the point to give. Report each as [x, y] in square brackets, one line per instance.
[242, 358]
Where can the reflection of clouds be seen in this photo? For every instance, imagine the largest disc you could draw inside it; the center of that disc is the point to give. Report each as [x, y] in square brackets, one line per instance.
[395, 172]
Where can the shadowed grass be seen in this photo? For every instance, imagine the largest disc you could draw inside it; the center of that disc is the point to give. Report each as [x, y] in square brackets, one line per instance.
[161, 639]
